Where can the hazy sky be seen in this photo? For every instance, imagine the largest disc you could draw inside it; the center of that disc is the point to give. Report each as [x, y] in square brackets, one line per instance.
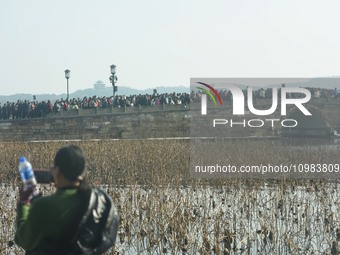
[163, 43]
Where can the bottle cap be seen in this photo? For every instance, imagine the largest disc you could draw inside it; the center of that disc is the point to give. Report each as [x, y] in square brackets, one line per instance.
[22, 159]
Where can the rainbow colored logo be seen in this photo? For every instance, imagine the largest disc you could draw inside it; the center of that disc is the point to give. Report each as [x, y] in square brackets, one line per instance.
[209, 93]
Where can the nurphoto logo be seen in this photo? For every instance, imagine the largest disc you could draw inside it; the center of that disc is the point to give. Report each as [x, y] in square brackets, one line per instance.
[204, 97]
[238, 104]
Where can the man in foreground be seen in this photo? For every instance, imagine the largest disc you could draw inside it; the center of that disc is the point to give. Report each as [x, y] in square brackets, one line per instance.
[77, 219]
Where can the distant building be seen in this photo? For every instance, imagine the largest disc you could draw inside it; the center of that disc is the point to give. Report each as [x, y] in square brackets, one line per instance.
[99, 85]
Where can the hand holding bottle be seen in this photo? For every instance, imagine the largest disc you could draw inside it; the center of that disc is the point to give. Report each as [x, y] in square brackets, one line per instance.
[27, 194]
[29, 189]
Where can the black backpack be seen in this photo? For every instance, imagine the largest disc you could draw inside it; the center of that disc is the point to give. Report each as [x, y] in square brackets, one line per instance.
[98, 227]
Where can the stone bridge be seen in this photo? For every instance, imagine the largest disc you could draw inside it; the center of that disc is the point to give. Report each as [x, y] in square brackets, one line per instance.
[325, 117]
[164, 121]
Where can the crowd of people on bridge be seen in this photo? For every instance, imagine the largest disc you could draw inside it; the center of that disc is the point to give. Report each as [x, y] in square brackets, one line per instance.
[267, 94]
[39, 109]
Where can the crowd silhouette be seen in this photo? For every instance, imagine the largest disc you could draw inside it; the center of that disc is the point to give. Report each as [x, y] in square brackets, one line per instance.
[267, 94]
[39, 109]
[22, 109]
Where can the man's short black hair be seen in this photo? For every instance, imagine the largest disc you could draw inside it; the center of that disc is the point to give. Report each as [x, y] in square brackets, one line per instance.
[71, 162]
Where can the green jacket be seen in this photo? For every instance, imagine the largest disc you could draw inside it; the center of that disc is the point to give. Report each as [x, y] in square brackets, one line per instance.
[49, 222]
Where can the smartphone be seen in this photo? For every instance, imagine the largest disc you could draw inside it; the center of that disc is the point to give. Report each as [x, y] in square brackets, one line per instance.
[43, 176]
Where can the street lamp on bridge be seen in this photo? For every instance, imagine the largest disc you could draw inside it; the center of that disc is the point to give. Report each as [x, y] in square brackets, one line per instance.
[67, 76]
[113, 79]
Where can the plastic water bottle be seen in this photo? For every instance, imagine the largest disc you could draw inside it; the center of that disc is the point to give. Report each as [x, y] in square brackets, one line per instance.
[27, 174]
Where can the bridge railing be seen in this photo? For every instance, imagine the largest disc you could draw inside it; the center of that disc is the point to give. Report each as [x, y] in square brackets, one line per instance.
[117, 110]
[139, 109]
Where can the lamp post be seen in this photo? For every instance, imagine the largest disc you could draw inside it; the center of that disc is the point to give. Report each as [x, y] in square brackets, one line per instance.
[113, 79]
[67, 76]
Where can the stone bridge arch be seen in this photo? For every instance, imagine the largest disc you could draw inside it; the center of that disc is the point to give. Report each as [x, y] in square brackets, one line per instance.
[316, 125]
